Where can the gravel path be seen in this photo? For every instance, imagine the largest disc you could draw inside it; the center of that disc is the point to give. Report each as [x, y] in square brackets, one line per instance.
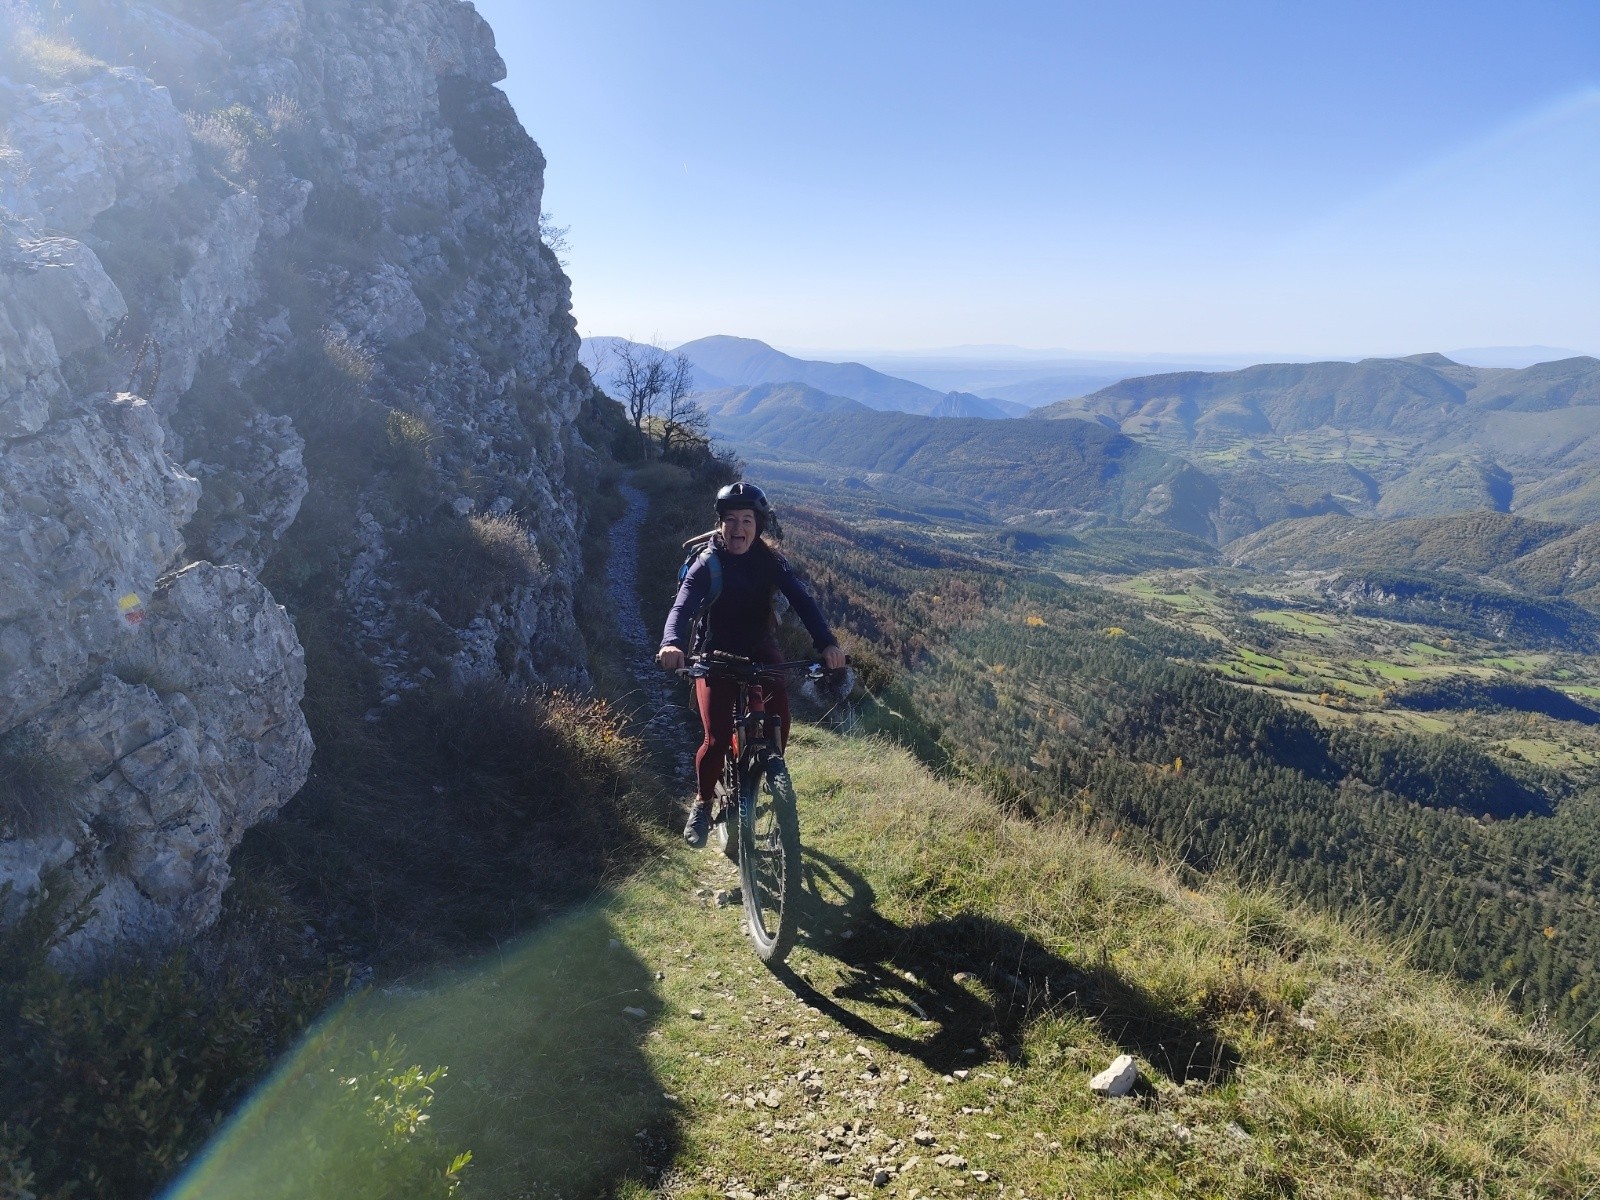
[659, 694]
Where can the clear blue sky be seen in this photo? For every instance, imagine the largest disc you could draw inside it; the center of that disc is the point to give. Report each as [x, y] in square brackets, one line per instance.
[1137, 176]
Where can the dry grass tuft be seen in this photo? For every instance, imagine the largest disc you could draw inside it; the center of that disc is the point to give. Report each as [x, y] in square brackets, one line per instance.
[32, 54]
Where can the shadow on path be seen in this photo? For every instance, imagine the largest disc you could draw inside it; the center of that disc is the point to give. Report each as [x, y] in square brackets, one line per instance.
[963, 990]
[549, 1085]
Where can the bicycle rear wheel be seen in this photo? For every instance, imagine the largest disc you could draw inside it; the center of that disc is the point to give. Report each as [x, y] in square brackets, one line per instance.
[769, 860]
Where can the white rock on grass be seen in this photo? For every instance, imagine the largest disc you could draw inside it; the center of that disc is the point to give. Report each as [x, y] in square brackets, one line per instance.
[1117, 1079]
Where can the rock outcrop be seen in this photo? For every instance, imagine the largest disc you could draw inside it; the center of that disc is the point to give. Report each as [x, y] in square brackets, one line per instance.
[274, 314]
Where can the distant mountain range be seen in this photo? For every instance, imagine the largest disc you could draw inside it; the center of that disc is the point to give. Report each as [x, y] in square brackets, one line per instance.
[1056, 473]
[1213, 454]
[1415, 436]
[1423, 394]
[722, 362]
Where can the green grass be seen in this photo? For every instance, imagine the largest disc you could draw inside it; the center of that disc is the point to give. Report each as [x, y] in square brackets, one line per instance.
[1310, 624]
[1426, 650]
[1147, 589]
[1520, 663]
[1397, 672]
[1548, 753]
[961, 976]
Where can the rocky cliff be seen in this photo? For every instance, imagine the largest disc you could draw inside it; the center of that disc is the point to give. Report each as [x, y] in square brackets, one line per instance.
[287, 378]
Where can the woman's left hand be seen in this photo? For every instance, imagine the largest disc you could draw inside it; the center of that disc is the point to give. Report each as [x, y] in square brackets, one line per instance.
[833, 658]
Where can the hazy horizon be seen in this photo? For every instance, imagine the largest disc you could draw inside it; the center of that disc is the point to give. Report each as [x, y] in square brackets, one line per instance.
[1144, 179]
[998, 354]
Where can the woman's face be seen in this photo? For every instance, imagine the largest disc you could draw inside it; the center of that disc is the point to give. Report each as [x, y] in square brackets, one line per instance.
[738, 530]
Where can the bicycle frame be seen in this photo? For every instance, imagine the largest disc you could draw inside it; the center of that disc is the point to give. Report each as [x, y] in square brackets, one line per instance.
[756, 736]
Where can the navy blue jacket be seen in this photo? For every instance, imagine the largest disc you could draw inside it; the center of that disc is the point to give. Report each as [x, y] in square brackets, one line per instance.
[741, 621]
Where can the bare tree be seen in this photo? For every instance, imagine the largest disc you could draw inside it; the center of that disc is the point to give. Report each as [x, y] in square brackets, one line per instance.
[640, 374]
[555, 237]
[682, 420]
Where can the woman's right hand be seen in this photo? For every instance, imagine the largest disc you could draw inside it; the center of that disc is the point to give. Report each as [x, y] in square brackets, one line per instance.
[670, 658]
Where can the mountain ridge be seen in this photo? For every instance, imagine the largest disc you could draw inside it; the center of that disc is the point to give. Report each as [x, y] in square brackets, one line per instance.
[722, 361]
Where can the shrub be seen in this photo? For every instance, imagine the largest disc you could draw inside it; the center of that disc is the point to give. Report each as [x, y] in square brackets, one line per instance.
[463, 565]
[341, 210]
[323, 384]
[494, 807]
[360, 1129]
[38, 792]
[230, 140]
[114, 1081]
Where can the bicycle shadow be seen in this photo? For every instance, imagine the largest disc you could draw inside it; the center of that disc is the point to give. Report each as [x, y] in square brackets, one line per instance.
[963, 990]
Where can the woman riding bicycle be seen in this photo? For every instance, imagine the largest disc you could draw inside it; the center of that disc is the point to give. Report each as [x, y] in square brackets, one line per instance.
[740, 586]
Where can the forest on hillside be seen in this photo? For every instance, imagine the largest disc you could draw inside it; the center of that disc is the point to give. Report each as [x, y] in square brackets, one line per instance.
[1076, 703]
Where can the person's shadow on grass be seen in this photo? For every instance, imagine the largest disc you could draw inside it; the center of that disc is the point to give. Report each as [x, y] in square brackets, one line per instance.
[961, 991]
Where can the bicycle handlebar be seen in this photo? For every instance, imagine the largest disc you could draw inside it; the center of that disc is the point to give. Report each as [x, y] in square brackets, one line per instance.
[718, 662]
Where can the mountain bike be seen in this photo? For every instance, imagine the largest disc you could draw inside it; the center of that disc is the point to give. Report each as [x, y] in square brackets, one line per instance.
[753, 816]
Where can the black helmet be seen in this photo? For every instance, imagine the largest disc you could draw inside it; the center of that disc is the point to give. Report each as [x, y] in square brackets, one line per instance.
[745, 495]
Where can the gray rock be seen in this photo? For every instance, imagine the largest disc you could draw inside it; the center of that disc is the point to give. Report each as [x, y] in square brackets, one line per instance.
[1117, 1079]
[56, 301]
[116, 136]
[175, 703]
[90, 515]
[194, 737]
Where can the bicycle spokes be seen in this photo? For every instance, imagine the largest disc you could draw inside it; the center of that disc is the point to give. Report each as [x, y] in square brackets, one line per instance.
[769, 860]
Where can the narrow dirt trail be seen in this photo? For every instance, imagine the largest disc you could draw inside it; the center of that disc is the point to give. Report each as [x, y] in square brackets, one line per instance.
[659, 699]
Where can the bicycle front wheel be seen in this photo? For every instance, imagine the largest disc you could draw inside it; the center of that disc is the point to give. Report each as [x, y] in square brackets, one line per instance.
[769, 860]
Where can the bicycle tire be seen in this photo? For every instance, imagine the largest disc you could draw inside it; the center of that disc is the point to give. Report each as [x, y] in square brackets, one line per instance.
[769, 860]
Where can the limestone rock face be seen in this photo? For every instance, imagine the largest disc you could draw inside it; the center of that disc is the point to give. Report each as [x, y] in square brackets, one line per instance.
[91, 513]
[57, 301]
[191, 737]
[112, 137]
[292, 245]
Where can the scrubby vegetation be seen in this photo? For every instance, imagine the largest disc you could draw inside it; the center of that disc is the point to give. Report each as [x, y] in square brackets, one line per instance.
[441, 830]
[38, 792]
[116, 1079]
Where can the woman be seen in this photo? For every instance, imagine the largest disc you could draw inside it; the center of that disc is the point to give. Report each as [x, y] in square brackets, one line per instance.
[746, 575]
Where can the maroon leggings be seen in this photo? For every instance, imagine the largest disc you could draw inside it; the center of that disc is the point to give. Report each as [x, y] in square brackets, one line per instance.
[716, 699]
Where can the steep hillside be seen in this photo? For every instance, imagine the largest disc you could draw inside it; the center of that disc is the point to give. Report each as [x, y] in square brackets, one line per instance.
[1521, 555]
[960, 978]
[278, 330]
[1063, 473]
[1478, 542]
[1237, 732]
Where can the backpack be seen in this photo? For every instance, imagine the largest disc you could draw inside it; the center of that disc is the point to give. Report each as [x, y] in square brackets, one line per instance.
[696, 548]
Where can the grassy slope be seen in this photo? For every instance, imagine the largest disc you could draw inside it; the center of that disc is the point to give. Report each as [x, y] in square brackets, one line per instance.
[963, 976]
